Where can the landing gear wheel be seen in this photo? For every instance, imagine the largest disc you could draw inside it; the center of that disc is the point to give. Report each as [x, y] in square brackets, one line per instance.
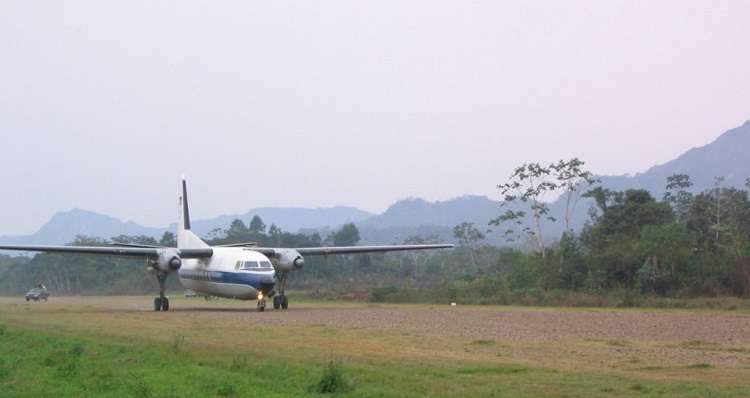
[283, 300]
[276, 302]
[161, 303]
[262, 305]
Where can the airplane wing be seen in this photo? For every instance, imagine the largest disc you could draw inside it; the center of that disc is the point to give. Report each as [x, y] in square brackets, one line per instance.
[333, 250]
[326, 251]
[113, 251]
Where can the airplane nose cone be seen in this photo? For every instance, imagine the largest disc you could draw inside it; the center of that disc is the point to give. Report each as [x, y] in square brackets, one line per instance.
[267, 283]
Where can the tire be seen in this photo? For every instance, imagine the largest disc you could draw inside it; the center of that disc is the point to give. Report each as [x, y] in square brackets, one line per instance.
[276, 302]
[157, 304]
[165, 304]
[284, 303]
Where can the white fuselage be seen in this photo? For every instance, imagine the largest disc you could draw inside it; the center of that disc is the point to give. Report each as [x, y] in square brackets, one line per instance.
[232, 272]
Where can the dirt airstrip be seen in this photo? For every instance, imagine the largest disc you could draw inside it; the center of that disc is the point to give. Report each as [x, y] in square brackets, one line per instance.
[584, 336]
[498, 323]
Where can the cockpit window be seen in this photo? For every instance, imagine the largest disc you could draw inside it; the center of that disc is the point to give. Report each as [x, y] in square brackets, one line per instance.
[256, 265]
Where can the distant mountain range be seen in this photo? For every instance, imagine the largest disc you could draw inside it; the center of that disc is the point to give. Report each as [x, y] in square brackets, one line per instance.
[727, 157]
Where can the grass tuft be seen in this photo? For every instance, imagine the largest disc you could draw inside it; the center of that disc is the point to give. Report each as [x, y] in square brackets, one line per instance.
[700, 366]
[617, 342]
[239, 362]
[332, 381]
[483, 342]
[177, 343]
[494, 370]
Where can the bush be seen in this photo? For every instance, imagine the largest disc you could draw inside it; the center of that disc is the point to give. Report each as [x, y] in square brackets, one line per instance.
[332, 380]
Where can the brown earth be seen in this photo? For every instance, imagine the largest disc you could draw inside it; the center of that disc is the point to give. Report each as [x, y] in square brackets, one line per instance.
[492, 322]
[577, 337]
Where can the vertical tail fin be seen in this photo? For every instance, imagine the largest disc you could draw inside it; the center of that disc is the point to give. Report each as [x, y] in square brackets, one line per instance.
[185, 237]
[185, 212]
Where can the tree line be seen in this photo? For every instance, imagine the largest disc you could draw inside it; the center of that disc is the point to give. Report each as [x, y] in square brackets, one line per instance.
[682, 245]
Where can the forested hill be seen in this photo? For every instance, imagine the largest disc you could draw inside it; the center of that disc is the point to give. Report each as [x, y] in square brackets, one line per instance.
[727, 157]
[63, 227]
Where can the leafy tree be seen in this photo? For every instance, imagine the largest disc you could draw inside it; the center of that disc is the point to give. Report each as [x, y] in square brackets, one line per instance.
[135, 240]
[217, 236]
[677, 195]
[257, 231]
[348, 235]
[469, 236]
[718, 221]
[572, 179]
[717, 213]
[573, 268]
[417, 258]
[528, 184]
[275, 235]
[602, 199]
[612, 240]
[667, 250]
[237, 232]
[87, 240]
[168, 239]
[257, 226]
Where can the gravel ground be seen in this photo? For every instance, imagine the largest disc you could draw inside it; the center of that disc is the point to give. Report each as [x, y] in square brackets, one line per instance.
[497, 323]
[586, 337]
[531, 324]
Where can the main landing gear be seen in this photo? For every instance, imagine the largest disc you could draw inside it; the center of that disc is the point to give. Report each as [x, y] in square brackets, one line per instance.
[281, 301]
[161, 302]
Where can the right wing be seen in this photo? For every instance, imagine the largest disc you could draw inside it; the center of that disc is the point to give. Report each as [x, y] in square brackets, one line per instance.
[331, 250]
[148, 253]
[334, 250]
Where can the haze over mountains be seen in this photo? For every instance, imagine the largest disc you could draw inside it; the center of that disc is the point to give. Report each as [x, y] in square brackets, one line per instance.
[727, 157]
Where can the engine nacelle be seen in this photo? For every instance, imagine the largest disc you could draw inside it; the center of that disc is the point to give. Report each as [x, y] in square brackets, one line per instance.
[287, 260]
[168, 261]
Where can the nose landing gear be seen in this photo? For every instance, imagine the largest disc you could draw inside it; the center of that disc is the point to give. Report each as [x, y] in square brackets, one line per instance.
[261, 302]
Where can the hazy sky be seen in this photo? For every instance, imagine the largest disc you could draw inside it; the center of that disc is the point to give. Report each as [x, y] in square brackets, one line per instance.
[103, 104]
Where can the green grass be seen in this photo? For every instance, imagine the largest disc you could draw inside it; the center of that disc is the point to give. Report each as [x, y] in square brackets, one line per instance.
[89, 351]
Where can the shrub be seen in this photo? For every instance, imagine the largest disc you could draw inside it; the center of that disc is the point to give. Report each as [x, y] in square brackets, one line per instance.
[332, 380]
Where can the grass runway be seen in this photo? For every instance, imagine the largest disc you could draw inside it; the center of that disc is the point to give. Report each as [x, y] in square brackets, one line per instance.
[118, 346]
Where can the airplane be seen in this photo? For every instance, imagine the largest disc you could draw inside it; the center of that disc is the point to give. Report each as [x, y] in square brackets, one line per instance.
[237, 271]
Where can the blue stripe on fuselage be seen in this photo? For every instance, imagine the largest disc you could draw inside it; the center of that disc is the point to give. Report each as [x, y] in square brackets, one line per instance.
[248, 278]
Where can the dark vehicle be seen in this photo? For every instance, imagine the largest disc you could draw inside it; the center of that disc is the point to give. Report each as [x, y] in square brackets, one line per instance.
[37, 294]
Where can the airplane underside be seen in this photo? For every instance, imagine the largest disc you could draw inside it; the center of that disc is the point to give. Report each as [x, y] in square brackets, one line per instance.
[224, 290]
[243, 285]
